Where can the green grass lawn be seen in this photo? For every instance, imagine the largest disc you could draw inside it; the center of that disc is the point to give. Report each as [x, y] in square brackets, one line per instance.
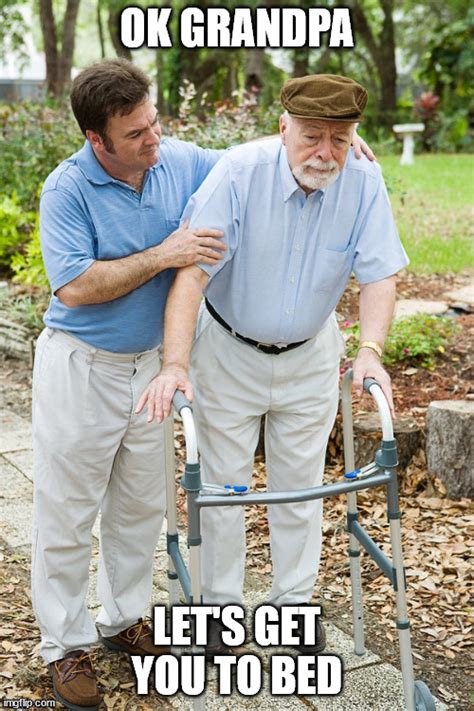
[433, 204]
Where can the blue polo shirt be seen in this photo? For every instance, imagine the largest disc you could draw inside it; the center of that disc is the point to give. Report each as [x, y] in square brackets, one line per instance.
[290, 255]
[87, 215]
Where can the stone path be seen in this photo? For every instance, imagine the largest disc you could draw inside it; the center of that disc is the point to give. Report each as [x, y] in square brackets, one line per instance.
[370, 684]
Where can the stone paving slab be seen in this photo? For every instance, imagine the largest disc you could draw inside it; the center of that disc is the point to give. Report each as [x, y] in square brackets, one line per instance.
[22, 460]
[16, 508]
[376, 688]
[337, 641]
[15, 432]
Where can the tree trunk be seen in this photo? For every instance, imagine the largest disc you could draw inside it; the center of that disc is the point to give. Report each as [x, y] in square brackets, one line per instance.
[254, 69]
[382, 52]
[301, 61]
[160, 99]
[113, 25]
[48, 30]
[100, 28]
[387, 67]
[68, 42]
[58, 61]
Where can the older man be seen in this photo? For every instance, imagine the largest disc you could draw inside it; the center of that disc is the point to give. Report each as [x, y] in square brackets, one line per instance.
[299, 215]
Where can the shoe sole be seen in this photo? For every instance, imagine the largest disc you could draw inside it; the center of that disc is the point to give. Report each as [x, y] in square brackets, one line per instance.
[303, 649]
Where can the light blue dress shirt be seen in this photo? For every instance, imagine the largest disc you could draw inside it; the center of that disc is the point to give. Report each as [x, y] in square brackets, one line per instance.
[87, 215]
[290, 256]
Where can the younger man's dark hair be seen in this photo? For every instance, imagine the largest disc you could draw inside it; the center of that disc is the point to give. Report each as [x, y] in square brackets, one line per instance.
[106, 88]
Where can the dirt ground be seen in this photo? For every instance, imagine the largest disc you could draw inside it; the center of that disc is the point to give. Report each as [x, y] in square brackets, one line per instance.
[436, 541]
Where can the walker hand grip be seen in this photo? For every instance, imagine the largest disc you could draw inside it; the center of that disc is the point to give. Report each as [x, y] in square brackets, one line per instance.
[180, 401]
[382, 405]
[368, 382]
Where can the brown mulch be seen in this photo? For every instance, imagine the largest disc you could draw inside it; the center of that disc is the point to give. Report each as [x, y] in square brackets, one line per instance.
[437, 539]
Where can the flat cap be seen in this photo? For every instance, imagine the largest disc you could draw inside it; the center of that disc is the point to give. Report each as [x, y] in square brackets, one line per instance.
[324, 96]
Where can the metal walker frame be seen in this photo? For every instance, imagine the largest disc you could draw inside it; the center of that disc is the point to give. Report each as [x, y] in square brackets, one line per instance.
[381, 472]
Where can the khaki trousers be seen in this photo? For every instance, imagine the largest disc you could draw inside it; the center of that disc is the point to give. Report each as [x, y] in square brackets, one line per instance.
[297, 392]
[91, 453]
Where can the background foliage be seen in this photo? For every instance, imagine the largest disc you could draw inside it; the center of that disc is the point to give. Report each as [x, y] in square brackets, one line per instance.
[414, 56]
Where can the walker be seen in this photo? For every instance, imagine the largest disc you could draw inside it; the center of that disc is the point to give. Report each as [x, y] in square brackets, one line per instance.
[380, 472]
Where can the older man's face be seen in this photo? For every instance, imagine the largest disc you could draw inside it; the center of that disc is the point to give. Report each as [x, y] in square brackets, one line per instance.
[316, 149]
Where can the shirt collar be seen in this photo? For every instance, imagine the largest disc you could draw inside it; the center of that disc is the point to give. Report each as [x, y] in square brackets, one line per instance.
[288, 181]
[93, 170]
[91, 167]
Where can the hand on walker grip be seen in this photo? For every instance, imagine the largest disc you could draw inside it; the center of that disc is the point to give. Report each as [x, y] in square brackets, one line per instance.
[368, 365]
[159, 393]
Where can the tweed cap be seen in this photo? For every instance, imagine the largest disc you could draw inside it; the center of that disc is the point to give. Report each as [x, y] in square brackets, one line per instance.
[324, 96]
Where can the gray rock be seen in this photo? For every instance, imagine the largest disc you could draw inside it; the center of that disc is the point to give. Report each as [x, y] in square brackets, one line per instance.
[409, 307]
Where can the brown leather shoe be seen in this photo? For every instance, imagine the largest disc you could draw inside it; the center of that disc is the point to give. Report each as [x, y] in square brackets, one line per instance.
[137, 639]
[74, 681]
[312, 649]
[215, 645]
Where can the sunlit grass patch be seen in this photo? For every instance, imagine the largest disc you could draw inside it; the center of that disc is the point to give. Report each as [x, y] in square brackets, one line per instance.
[433, 206]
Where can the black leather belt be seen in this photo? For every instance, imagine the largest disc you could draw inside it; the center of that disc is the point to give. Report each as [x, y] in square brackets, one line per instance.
[265, 348]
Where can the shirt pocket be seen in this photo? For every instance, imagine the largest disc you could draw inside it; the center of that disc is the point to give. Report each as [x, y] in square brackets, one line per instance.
[332, 270]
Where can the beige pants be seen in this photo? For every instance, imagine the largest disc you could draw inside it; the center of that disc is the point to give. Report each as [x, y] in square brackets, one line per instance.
[92, 452]
[235, 384]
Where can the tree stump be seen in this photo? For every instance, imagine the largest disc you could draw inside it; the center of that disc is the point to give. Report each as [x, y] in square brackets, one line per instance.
[367, 437]
[16, 340]
[450, 433]
[368, 433]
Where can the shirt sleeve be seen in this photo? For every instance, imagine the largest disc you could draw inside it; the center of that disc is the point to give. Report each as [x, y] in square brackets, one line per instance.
[216, 206]
[204, 160]
[379, 252]
[67, 237]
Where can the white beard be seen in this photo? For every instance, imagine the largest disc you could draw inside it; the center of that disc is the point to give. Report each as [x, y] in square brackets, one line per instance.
[326, 175]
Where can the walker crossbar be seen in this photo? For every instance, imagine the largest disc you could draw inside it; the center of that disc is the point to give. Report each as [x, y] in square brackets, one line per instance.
[289, 497]
[380, 472]
[384, 563]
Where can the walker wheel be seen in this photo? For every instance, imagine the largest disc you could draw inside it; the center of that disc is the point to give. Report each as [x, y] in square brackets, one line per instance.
[424, 700]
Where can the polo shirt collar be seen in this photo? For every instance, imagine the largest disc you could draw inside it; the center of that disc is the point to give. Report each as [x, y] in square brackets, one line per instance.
[91, 167]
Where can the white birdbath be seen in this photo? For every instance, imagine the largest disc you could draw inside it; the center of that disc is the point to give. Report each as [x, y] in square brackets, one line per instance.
[407, 132]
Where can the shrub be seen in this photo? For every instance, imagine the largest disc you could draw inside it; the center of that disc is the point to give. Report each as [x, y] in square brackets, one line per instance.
[414, 339]
[224, 124]
[34, 138]
[28, 265]
[15, 225]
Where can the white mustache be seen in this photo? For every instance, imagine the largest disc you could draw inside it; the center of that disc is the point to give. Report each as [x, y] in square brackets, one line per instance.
[316, 164]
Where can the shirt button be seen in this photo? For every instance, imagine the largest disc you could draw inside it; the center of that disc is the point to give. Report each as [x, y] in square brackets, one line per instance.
[297, 247]
[288, 312]
[292, 280]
